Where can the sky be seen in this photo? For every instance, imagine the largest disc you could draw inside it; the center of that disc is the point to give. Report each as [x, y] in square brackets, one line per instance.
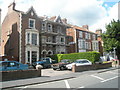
[95, 13]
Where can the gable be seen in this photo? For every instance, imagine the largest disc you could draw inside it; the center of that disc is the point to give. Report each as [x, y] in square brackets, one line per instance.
[58, 19]
[31, 11]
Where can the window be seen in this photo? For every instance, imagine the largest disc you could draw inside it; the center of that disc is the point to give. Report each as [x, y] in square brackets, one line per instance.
[43, 26]
[59, 29]
[31, 23]
[80, 43]
[49, 27]
[34, 39]
[80, 34]
[28, 38]
[28, 55]
[94, 37]
[62, 39]
[34, 56]
[86, 35]
[83, 46]
[89, 45]
[89, 37]
[49, 39]
[43, 39]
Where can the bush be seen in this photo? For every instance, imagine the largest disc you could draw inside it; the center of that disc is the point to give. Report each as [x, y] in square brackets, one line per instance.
[92, 56]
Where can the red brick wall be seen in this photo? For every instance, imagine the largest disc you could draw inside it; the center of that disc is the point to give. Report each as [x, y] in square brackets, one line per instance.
[25, 25]
[10, 44]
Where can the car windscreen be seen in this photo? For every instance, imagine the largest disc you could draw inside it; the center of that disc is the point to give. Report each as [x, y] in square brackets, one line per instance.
[82, 61]
[65, 61]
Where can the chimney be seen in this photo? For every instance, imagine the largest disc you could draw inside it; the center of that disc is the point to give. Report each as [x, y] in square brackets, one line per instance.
[99, 31]
[11, 7]
[64, 20]
[85, 27]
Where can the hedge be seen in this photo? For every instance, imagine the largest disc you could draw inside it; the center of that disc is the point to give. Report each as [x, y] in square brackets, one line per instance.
[92, 56]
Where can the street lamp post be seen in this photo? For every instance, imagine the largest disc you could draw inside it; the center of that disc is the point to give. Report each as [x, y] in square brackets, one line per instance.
[114, 52]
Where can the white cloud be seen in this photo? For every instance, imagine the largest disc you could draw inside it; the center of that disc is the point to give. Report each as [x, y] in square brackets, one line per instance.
[112, 14]
[78, 12]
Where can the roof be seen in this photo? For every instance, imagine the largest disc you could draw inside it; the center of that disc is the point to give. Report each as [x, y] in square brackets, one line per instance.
[82, 29]
[52, 18]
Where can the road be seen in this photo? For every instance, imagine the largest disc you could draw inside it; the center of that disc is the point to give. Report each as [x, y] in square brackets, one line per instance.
[108, 79]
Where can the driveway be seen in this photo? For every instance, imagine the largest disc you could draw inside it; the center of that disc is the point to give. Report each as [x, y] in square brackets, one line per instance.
[51, 72]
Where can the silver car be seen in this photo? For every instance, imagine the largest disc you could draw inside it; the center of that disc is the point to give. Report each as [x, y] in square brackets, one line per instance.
[79, 62]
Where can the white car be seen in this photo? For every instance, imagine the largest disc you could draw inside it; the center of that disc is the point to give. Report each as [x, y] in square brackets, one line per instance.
[79, 62]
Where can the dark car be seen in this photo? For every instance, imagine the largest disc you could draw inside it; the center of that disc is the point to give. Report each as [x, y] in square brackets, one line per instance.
[12, 65]
[61, 65]
[45, 62]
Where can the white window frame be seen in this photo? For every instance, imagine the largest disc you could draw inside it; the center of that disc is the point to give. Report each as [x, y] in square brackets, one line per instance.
[80, 34]
[34, 39]
[94, 37]
[44, 39]
[33, 23]
[63, 40]
[89, 36]
[86, 35]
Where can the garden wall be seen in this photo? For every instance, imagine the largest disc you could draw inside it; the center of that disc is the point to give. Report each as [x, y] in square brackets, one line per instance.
[91, 67]
[19, 74]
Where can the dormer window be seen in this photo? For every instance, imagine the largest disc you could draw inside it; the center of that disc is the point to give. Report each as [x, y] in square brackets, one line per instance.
[31, 23]
[49, 27]
[43, 26]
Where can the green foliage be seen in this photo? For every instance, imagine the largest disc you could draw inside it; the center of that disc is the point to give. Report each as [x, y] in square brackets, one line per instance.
[111, 37]
[92, 56]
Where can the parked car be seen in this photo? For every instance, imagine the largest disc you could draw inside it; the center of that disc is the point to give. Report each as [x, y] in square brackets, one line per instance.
[45, 62]
[79, 62]
[61, 65]
[12, 65]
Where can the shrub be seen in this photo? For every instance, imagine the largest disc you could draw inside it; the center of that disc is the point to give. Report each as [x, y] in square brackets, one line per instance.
[92, 56]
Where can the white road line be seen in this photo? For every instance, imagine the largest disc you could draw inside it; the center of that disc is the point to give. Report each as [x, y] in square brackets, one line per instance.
[113, 72]
[67, 84]
[24, 87]
[81, 87]
[97, 77]
[109, 79]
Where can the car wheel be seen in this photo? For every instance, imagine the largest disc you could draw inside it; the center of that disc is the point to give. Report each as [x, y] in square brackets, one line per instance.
[61, 68]
[54, 68]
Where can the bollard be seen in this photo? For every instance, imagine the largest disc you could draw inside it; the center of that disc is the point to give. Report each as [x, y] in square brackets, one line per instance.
[74, 67]
[38, 67]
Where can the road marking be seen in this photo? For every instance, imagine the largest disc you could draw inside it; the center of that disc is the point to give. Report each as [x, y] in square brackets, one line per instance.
[67, 84]
[97, 77]
[24, 87]
[113, 72]
[81, 87]
[109, 79]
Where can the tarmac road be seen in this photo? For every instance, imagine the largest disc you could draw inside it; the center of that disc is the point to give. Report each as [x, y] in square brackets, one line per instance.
[108, 79]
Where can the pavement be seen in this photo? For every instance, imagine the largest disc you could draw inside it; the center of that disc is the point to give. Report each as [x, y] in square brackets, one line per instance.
[49, 77]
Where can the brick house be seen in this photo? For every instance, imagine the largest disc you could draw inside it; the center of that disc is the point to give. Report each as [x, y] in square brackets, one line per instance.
[28, 37]
[0, 32]
[99, 38]
[83, 39]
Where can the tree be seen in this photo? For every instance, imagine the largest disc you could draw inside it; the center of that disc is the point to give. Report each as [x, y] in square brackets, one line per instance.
[111, 37]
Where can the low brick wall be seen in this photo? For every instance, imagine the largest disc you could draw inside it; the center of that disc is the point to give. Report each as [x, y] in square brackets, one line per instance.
[19, 74]
[91, 67]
